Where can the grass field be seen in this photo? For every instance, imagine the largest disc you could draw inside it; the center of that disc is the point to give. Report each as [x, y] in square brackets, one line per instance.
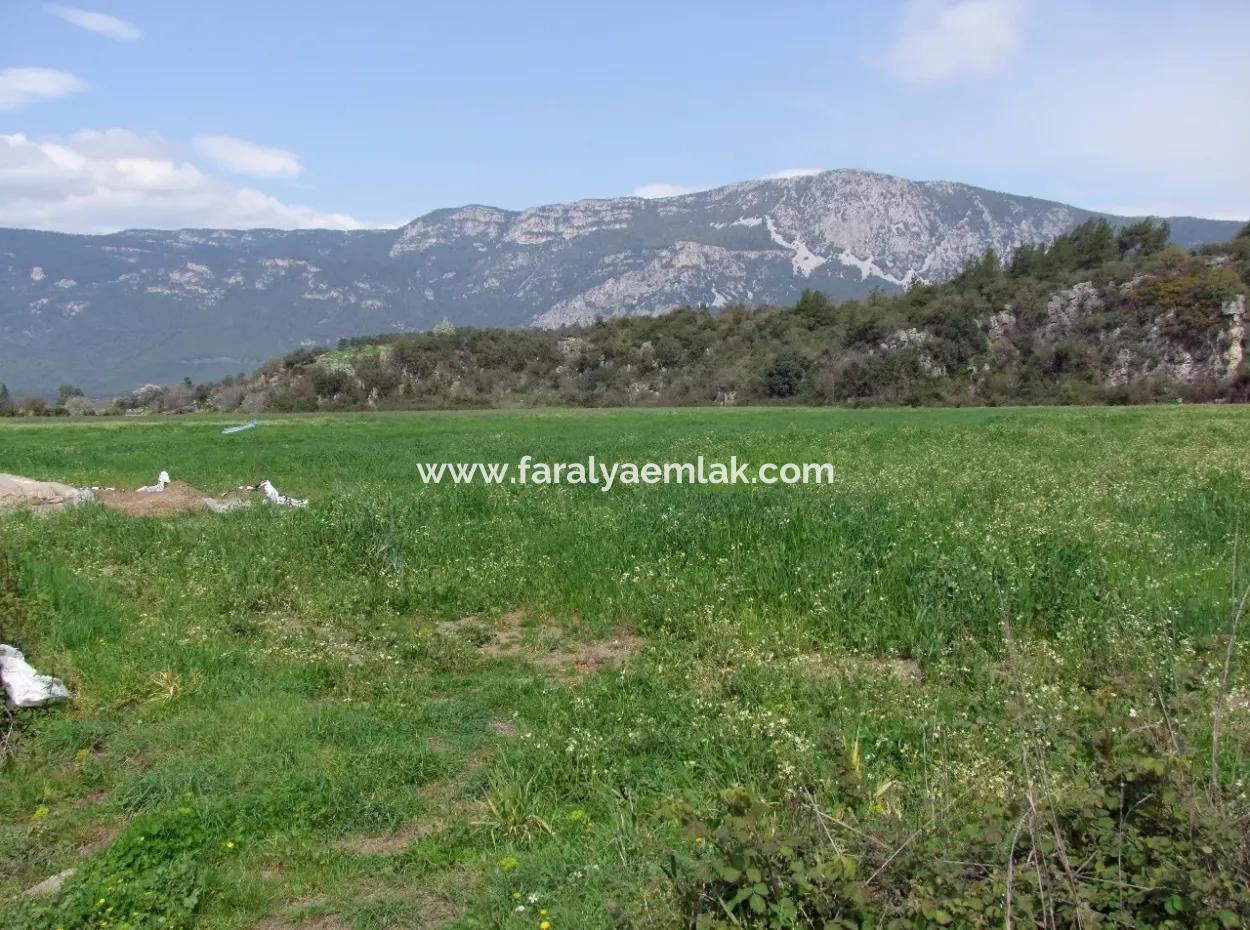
[412, 706]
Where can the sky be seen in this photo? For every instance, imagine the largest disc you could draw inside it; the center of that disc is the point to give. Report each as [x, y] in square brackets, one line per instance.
[172, 113]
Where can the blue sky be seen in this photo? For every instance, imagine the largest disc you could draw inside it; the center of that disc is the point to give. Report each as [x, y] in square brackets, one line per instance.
[119, 114]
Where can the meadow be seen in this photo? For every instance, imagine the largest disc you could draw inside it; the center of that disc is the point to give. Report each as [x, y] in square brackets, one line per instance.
[518, 706]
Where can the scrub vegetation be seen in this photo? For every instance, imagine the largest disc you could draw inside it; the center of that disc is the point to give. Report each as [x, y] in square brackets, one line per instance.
[1098, 316]
[989, 677]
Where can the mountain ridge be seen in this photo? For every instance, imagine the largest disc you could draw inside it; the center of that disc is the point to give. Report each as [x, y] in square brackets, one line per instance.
[111, 311]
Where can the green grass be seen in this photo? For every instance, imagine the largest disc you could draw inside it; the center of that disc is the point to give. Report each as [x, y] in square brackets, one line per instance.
[257, 691]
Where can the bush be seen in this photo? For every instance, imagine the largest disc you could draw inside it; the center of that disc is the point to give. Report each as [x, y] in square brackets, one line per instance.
[1132, 839]
[785, 375]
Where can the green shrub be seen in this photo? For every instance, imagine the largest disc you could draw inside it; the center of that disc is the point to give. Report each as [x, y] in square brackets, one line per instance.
[151, 877]
[785, 375]
[1134, 842]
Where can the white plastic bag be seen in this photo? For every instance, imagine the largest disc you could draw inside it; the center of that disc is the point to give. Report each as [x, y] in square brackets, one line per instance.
[272, 495]
[24, 686]
[161, 480]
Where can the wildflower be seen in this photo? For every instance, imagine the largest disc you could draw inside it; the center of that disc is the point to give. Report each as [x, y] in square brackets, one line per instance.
[508, 863]
[544, 925]
[229, 844]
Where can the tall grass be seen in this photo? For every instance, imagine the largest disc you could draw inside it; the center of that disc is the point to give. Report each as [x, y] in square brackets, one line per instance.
[281, 670]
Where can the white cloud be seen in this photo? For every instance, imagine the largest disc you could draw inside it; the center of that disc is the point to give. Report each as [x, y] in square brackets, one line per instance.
[20, 86]
[786, 173]
[658, 189]
[100, 23]
[101, 181]
[945, 39]
[242, 157]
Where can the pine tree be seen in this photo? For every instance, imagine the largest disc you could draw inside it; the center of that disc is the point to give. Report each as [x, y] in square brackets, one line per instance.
[1143, 238]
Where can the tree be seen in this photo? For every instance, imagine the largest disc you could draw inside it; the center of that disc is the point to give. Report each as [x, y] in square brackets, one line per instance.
[300, 358]
[785, 375]
[813, 302]
[1093, 244]
[1143, 238]
[6, 402]
[331, 380]
[980, 270]
[444, 327]
[1024, 260]
[1244, 233]
[65, 392]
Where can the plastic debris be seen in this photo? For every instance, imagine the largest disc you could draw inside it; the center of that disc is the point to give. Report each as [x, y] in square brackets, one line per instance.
[238, 429]
[24, 686]
[161, 481]
[226, 504]
[272, 495]
[16, 491]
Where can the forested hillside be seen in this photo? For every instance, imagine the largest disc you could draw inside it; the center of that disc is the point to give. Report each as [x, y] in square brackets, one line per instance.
[1097, 316]
[112, 312]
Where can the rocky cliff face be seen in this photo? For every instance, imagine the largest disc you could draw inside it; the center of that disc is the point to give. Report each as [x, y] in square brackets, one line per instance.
[108, 312]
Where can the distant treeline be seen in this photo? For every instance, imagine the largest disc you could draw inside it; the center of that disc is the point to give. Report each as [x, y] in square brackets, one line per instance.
[1096, 316]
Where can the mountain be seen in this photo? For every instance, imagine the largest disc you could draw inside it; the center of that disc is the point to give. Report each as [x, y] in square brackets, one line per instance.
[110, 312]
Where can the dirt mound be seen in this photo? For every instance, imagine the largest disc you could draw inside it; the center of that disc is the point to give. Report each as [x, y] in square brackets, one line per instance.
[164, 498]
[177, 497]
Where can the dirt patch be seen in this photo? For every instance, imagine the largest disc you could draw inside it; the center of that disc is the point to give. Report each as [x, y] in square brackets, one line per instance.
[296, 916]
[436, 912]
[92, 797]
[430, 910]
[178, 497]
[165, 498]
[391, 843]
[100, 838]
[820, 666]
[547, 645]
[446, 805]
[605, 653]
[503, 728]
[904, 671]
[320, 922]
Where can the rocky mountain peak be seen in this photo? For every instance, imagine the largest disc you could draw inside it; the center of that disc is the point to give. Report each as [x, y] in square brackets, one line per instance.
[107, 312]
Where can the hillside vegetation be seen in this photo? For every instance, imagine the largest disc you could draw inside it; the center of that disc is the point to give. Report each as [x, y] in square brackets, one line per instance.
[149, 306]
[1097, 316]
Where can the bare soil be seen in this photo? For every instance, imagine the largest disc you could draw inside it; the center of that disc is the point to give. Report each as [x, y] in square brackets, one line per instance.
[549, 646]
[178, 497]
